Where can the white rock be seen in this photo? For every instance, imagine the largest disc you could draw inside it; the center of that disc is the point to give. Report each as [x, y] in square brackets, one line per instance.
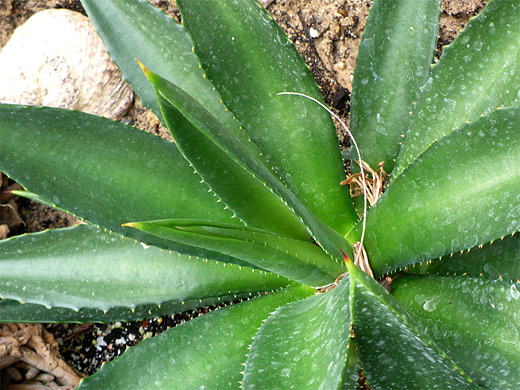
[265, 3]
[57, 59]
[313, 33]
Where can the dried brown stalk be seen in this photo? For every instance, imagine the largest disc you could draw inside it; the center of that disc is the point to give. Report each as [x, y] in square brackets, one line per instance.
[373, 188]
[361, 259]
[375, 182]
[30, 349]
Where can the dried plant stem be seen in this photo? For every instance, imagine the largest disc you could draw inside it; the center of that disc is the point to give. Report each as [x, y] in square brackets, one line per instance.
[361, 259]
[36, 347]
[375, 182]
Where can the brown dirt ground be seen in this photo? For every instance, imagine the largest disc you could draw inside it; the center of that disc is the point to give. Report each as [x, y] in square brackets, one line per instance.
[330, 55]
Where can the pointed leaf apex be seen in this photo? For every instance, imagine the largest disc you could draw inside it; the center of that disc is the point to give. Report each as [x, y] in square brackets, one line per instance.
[346, 258]
[145, 70]
[131, 224]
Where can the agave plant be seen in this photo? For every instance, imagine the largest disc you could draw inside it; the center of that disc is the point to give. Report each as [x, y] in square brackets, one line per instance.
[247, 202]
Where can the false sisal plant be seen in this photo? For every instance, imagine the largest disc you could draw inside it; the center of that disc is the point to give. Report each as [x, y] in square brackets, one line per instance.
[247, 203]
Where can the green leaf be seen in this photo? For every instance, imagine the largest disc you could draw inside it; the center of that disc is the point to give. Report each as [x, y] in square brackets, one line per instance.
[86, 268]
[477, 72]
[499, 260]
[475, 321]
[206, 352]
[135, 29]
[351, 376]
[302, 345]
[461, 193]
[103, 171]
[14, 311]
[238, 189]
[182, 105]
[393, 62]
[301, 261]
[249, 60]
[36, 198]
[393, 351]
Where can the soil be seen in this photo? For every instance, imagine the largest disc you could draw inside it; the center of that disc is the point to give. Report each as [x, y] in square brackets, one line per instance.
[325, 32]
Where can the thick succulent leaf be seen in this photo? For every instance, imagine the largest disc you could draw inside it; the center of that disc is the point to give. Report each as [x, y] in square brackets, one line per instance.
[301, 261]
[14, 311]
[87, 269]
[351, 377]
[499, 260]
[36, 198]
[249, 60]
[393, 62]
[476, 73]
[174, 98]
[475, 321]
[206, 352]
[134, 29]
[103, 171]
[254, 203]
[393, 351]
[302, 345]
[462, 192]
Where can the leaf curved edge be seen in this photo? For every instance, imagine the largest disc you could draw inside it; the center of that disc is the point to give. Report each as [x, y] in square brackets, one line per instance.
[86, 271]
[207, 351]
[474, 320]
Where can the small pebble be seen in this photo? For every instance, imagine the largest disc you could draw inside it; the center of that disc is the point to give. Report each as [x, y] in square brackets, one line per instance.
[120, 341]
[266, 3]
[100, 341]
